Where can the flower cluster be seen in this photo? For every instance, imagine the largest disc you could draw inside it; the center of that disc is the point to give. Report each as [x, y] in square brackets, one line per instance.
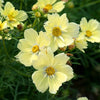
[37, 48]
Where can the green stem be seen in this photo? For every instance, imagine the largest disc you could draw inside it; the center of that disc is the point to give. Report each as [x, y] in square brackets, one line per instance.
[21, 4]
[5, 49]
[34, 23]
[47, 95]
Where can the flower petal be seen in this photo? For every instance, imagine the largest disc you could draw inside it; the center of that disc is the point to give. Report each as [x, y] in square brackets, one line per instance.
[40, 80]
[21, 16]
[67, 70]
[24, 45]
[43, 40]
[31, 35]
[81, 44]
[45, 58]
[59, 6]
[83, 24]
[73, 29]
[25, 58]
[56, 82]
[60, 59]
[68, 40]
[96, 36]
[53, 45]
[93, 25]
[8, 8]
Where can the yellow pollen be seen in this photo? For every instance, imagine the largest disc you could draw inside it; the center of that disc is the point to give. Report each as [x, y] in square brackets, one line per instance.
[35, 48]
[88, 33]
[50, 71]
[47, 8]
[56, 31]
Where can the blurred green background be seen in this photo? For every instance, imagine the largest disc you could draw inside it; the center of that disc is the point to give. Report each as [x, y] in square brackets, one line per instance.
[15, 78]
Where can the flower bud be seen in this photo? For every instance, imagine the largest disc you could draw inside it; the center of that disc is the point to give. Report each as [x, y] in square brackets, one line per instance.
[37, 14]
[34, 7]
[72, 46]
[65, 0]
[70, 4]
[63, 49]
[69, 63]
[20, 27]
[69, 54]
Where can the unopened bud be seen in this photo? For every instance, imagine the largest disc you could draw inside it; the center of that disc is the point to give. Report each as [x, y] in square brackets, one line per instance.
[69, 54]
[34, 7]
[69, 63]
[70, 47]
[20, 27]
[70, 4]
[45, 10]
[37, 14]
[6, 30]
[65, 0]
[63, 49]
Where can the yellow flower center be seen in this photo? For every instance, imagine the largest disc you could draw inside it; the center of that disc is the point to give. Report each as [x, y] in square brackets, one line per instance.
[56, 31]
[88, 33]
[50, 71]
[35, 48]
[47, 8]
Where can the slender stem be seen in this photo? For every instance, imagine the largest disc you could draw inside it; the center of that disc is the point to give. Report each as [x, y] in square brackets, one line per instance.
[47, 95]
[4, 45]
[21, 4]
[34, 23]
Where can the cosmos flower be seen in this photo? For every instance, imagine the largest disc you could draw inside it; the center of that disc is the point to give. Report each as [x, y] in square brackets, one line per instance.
[60, 31]
[31, 45]
[51, 72]
[90, 30]
[12, 16]
[50, 5]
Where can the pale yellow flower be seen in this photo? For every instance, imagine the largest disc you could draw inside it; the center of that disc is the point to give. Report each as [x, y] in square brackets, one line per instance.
[90, 30]
[82, 98]
[13, 17]
[3, 25]
[1, 3]
[81, 44]
[60, 31]
[50, 5]
[51, 72]
[31, 45]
